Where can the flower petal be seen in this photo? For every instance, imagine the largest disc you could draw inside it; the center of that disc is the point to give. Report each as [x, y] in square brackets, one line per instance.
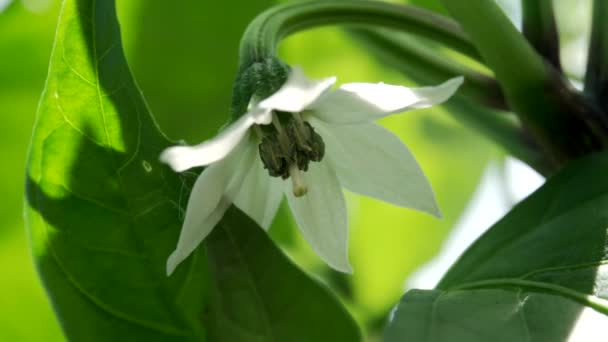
[389, 171]
[181, 158]
[202, 213]
[363, 102]
[297, 93]
[259, 195]
[207, 202]
[321, 215]
[194, 235]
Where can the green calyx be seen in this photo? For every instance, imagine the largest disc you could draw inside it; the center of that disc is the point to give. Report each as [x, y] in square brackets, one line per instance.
[255, 82]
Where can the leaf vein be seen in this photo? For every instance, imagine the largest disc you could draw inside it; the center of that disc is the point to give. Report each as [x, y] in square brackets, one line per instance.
[99, 203]
[138, 140]
[105, 53]
[106, 308]
[75, 72]
[70, 123]
[563, 268]
[252, 283]
[96, 69]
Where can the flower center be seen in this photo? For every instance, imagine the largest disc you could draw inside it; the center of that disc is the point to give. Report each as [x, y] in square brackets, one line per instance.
[288, 146]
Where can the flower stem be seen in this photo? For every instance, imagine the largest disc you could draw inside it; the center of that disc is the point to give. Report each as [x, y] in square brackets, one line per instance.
[596, 78]
[265, 32]
[559, 118]
[540, 29]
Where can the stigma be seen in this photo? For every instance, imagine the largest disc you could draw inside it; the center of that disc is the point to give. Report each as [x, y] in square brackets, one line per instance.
[299, 188]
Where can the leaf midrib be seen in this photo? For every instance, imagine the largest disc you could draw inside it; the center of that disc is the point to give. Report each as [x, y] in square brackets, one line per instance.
[251, 281]
[592, 301]
[487, 258]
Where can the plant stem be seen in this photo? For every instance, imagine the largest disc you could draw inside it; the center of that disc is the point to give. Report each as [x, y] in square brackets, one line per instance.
[596, 78]
[540, 29]
[265, 32]
[559, 118]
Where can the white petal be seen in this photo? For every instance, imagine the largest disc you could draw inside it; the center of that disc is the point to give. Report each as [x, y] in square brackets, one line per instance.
[363, 102]
[297, 93]
[321, 215]
[388, 171]
[194, 236]
[181, 158]
[207, 202]
[202, 212]
[259, 195]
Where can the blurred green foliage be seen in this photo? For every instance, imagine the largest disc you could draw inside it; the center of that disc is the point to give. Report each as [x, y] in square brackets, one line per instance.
[184, 58]
[25, 43]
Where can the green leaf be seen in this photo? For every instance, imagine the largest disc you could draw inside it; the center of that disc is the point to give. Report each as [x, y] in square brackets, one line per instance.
[499, 315]
[259, 295]
[103, 215]
[545, 259]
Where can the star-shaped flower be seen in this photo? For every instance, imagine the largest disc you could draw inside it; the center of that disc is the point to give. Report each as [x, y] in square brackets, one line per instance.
[323, 139]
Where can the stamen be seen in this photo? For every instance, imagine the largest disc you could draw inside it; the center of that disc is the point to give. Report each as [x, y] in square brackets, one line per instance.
[299, 119]
[287, 149]
[277, 124]
[282, 136]
[300, 133]
[299, 188]
[258, 131]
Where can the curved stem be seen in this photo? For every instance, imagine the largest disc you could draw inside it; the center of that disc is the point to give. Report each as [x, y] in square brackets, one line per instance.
[267, 29]
[540, 29]
[596, 78]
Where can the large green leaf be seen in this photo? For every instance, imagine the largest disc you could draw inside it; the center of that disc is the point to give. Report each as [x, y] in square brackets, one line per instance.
[539, 271]
[498, 315]
[258, 295]
[104, 214]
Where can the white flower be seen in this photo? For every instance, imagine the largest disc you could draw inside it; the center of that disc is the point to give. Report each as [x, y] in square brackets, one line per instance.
[360, 156]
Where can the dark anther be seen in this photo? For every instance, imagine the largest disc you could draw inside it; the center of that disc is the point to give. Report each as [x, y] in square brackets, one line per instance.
[308, 144]
[273, 156]
[300, 145]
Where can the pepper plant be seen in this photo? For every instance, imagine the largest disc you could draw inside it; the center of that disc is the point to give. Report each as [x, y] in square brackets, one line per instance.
[109, 196]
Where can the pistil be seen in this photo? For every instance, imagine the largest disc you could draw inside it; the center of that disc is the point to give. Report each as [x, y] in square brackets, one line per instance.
[297, 179]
